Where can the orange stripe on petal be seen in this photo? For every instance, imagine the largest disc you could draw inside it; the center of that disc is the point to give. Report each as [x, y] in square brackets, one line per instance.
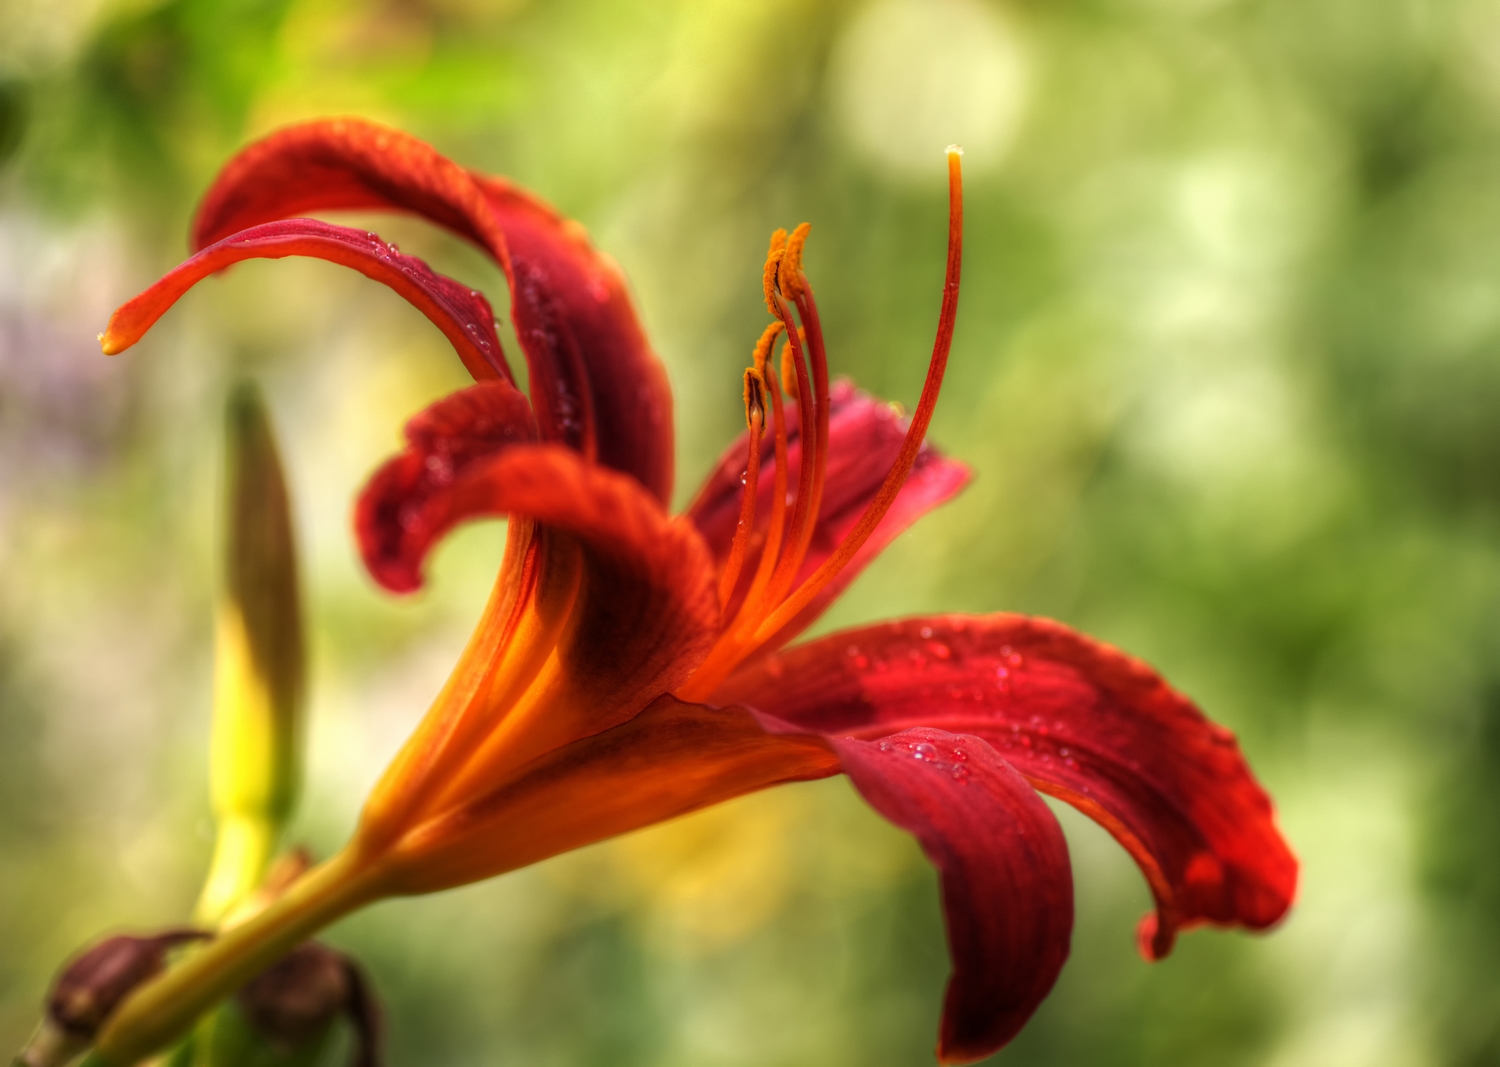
[670, 759]
[640, 615]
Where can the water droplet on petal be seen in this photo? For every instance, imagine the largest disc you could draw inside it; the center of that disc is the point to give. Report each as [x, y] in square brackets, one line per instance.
[923, 751]
[960, 774]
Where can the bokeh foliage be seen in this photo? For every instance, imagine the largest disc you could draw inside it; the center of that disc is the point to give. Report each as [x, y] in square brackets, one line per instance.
[1228, 366]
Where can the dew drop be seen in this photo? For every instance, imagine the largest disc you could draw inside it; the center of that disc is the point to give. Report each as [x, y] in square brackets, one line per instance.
[923, 751]
[885, 746]
[960, 774]
[960, 756]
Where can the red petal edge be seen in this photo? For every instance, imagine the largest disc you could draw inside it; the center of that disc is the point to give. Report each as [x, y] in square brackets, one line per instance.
[1007, 885]
[1083, 722]
[443, 443]
[464, 316]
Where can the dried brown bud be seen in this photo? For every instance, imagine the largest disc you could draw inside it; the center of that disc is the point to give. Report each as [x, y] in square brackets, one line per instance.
[294, 1000]
[90, 987]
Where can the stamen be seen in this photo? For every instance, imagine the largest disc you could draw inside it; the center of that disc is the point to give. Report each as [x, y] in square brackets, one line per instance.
[773, 269]
[762, 354]
[755, 418]
[916, 432]
[747, 616]
[790, 274]
[788, 371]
[802, 516]
[812, 335]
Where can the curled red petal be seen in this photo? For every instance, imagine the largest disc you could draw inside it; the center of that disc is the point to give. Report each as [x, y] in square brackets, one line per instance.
[443, 442]
[336, 164]
[596, 384]
[1007, 885]
[640, 616]
[671, 759]
[1083, 722]
[464, 315]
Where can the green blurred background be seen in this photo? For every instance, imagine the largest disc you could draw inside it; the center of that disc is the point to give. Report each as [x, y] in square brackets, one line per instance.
[1227, 365]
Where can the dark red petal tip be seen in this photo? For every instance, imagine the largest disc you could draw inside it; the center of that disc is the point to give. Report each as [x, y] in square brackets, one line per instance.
[443, 442]
[1007, 886]
[463, 314]
[1084, 723]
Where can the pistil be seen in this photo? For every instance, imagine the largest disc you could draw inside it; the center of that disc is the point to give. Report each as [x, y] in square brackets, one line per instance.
[916, 431]
[755, 419]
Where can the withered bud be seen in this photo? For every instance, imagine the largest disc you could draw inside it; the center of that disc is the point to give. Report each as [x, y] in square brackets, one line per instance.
[294, 1000]
[90, 987]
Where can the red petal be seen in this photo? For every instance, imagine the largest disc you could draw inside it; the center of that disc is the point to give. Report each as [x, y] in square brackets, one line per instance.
[444, 442]
[1083, 722]
[670, 759]
[642, 618]
[591, 364]
[462, 314]
[343, 164]
[1007, 886]
[864, 437]
[596, 384]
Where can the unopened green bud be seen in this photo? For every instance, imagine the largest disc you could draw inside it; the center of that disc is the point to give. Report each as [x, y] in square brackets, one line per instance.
[255, 758]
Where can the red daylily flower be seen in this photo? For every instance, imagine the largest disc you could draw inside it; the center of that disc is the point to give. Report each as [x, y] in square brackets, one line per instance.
[632, 666]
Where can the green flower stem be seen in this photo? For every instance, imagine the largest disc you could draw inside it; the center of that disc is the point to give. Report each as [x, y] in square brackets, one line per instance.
[165, 1009]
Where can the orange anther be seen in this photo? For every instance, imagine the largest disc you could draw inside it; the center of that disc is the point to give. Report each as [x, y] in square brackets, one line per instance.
[762, 353]
[790, 272]
[773, 268]
[755, 398]
[789, 367]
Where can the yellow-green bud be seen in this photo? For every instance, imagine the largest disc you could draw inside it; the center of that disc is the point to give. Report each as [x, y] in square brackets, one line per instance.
[255, 758]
